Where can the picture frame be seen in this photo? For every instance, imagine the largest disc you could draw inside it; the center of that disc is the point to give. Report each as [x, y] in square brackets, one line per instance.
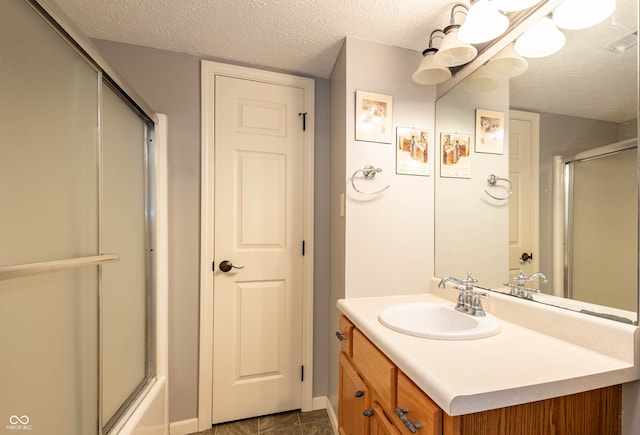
[455, 155]
[489, 132]
[412, 151]
[374, 115]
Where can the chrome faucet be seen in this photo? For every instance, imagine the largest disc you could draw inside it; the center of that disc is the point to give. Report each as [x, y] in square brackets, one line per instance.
[469, 299]
[520, 290]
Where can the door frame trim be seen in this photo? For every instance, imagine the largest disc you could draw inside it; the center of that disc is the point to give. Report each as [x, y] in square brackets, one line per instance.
[209, 70]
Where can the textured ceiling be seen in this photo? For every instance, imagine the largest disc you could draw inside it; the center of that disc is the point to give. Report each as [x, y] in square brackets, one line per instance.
[584, 79]
[305, 36]
[300, 36]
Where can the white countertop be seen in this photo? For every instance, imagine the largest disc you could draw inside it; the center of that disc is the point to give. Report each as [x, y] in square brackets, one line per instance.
[541, 352]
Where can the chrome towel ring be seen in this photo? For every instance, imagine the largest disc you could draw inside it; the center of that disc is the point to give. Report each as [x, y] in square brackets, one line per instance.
[369, 172]
[492, 180]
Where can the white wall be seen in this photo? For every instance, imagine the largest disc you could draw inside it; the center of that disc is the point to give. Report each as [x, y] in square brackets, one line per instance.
[388, 238]
[382, 246]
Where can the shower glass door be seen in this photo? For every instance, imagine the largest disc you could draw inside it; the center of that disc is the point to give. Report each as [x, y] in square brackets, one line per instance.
[48, 212]
[76, 235]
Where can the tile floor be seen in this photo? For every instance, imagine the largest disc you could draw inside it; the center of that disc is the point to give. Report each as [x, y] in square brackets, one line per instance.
[285, 423]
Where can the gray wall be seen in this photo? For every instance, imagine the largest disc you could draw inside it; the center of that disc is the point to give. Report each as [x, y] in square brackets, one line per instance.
[170, 83]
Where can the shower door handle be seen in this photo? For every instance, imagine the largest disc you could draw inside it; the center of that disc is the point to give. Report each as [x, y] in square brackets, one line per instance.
[226, 266]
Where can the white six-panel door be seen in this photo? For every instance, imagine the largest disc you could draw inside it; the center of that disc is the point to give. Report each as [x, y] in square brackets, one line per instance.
[257, 333]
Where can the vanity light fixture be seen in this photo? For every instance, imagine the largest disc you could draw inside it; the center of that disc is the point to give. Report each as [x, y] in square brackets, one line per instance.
[429, 72]
[483, 23]
[507, 63]
[580, 14]
[541, 40]
[453, 51]
[514, 5]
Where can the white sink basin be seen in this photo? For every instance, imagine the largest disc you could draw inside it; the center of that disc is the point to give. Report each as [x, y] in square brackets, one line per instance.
[439, 321]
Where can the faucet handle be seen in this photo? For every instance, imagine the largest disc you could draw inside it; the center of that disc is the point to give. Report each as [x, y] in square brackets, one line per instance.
[528, 292]
[476, 303]
[468, 282]
[521, 278]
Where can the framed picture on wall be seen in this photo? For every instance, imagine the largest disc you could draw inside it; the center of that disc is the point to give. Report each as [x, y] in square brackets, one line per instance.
[412, 151]
[489, 132]
[374, 117]
[455, 152]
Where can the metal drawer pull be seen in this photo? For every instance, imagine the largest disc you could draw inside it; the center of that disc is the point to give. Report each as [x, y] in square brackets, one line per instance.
[359, 393]
[341, 336]
[367, 412]
[413, 427]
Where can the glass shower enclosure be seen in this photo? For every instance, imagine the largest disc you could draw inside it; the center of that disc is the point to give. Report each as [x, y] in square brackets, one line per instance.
[76, 234]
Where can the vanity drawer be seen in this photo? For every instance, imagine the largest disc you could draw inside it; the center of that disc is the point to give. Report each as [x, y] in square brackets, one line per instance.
[376, 369]
[345, 335]
[417, 407]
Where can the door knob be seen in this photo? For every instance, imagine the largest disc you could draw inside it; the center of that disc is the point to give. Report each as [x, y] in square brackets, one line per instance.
[226, 266]
[526, 257]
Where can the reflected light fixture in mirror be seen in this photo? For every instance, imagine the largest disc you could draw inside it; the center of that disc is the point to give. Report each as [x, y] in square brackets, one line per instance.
[514, 5]
[580, 14]
[483, 23]
[541, 40]
[507, 63]
[454, 52]
[429, 72]
[480, 82]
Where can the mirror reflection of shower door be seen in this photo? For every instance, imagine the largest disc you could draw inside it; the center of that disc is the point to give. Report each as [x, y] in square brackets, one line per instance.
[603, 230]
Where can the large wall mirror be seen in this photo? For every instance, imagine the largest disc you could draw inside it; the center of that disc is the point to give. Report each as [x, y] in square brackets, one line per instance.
[566, 200]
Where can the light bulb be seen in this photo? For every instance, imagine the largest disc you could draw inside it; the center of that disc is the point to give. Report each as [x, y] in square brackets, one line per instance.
[513, 5]
[483, 23]
[580, 14]
[541, 40]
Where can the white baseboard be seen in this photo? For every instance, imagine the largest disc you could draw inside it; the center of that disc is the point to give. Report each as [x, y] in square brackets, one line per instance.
[323, 402]
[183, 427]
[319, 403]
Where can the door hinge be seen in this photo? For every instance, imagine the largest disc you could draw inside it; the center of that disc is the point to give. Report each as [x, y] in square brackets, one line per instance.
[213, 266]
[301, 373]
[304, 120]
[303, 247]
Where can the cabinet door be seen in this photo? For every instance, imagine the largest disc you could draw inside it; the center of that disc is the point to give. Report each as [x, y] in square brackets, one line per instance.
[380, 424]
[417, 409]
[353, 400]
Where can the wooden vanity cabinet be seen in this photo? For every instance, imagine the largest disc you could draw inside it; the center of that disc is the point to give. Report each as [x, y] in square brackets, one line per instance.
[375, 397]
[353, 400]
[385, 388]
